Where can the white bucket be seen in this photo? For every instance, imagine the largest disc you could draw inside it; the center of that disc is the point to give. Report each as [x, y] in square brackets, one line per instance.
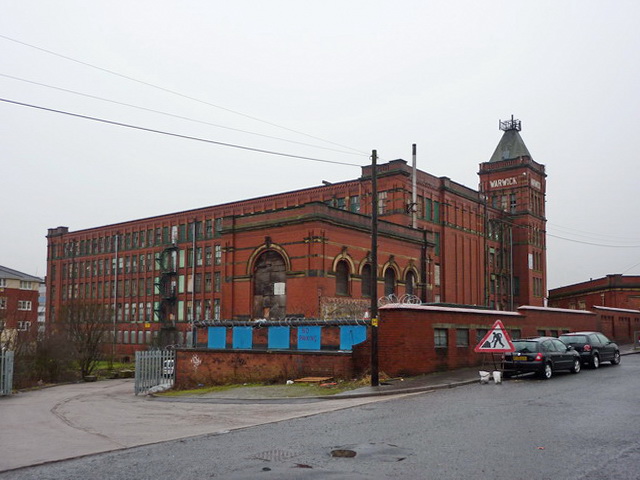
[497, 376]
[484, 376]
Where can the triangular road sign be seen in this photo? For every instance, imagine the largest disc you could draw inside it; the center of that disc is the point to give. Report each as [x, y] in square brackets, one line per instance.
[497, 340]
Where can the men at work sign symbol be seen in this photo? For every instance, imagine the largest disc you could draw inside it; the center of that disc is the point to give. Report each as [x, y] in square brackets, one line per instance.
[496, 340]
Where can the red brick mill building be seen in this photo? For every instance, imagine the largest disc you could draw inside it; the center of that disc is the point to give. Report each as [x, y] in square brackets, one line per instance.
[305, 254]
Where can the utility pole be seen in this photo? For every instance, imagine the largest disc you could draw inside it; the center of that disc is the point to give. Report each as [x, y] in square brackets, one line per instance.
[374, 270]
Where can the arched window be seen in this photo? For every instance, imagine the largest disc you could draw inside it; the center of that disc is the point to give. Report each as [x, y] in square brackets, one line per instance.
[410, 283]
[269, 286]
[342, 278]
[389, 281]
[366, 281]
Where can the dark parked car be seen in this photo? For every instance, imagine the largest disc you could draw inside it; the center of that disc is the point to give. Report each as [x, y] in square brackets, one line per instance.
[593, 347]
[542, 355]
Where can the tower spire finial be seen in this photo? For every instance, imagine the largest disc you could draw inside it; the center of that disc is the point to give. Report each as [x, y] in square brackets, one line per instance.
[510, 125]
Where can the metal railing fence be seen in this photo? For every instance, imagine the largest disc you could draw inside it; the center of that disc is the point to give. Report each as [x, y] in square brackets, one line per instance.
[6, 372]
[154, 368]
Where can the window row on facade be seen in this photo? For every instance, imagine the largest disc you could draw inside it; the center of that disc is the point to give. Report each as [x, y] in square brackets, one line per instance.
[146, 238]
[126, 264]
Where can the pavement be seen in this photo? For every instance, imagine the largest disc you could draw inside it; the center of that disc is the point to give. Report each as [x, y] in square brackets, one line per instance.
[61, 422]
[396, 386]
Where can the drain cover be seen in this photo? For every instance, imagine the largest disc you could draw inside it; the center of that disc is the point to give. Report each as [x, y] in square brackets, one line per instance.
[275, 455]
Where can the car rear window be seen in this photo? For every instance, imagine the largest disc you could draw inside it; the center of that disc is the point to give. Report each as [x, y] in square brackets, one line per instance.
[574, 339]
[524, 346]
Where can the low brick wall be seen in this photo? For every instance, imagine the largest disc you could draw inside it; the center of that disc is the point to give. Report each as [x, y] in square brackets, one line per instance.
[219, 367]
[407, 344]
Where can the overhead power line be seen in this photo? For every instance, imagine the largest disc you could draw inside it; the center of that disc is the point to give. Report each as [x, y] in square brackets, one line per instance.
[87, 95]
[592, 243]
[588, 234]
[177, 135]
[173, 92]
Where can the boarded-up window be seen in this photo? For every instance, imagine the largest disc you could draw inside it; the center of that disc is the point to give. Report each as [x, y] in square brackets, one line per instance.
[269, 294]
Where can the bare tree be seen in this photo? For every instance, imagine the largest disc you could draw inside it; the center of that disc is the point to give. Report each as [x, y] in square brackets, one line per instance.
[86, 328]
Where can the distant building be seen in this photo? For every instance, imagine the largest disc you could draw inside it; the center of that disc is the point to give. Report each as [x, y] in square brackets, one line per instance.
[615, 298]
[307, 253]
[18, 304]
[612, 291]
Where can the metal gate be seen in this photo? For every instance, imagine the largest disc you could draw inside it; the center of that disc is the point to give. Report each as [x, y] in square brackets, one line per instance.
[6, 372]
[154, 368]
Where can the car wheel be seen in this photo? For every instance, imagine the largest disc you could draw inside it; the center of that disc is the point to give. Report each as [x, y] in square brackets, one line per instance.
[595, 361]
[616, 358]
[547, 372]
[576, 366]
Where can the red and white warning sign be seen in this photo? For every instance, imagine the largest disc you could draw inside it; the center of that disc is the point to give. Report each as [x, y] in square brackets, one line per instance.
[497, 340]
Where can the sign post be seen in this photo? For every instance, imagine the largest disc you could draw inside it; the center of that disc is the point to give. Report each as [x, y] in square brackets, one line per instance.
[496, 340]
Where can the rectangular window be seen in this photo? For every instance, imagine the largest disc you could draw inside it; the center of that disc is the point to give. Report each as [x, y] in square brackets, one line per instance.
[217, 227]
[208, 228]
[207, 282]
[24, 305]
[24, 326]
[216, 309]
[382, 203]
[3, 282]
[25, 285]
[208, 256]
[462, 337]
[354, 204]
[218, 254]
[480, 333]
[340, 203]
[440, 337]
[436, 212]
[217, 281]
[436, 275]
[3, 303]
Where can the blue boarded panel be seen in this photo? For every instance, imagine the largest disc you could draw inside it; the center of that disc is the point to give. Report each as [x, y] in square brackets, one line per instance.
[279, 337]
[309, 338]
[352, 335]
[217, 337]
[243, 337]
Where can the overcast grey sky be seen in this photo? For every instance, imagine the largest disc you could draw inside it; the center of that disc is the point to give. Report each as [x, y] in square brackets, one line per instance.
[351, 75]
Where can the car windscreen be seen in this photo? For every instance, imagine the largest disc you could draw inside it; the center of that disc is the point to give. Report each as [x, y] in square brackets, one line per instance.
[574, 339]
[524, 346]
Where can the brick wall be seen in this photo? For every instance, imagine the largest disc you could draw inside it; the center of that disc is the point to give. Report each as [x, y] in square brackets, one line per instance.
[406, 334]
[406, 341]
[219, 367]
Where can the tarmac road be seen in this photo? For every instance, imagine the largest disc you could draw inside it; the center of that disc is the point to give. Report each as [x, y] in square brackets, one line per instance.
[75, 420]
